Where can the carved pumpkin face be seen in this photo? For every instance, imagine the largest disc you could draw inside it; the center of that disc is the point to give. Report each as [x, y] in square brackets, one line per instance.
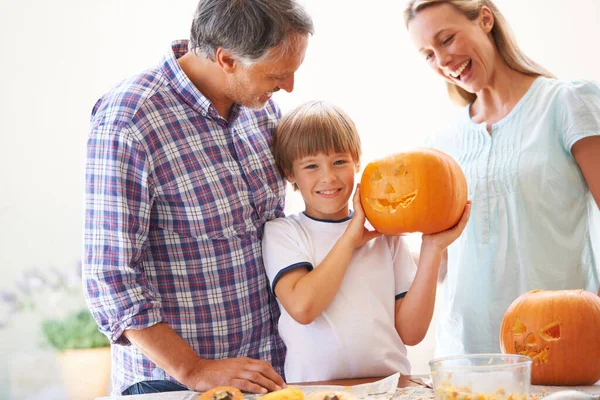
[560, 331]
[418, 191]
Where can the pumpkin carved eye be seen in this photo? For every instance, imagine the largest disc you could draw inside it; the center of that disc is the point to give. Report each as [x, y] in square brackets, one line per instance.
[550, 332]
[401, 170]
[376, 175]
[418, 191]
[518, 328]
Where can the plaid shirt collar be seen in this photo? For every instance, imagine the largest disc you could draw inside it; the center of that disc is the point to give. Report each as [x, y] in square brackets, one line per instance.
[184, 86]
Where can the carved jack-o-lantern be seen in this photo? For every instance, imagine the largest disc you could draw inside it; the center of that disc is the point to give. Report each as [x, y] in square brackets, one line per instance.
[560, 331]
[417, 191]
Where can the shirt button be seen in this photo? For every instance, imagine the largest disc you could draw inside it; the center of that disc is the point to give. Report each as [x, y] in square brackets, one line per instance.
[484, 196]
[204, 113]
[485, 216]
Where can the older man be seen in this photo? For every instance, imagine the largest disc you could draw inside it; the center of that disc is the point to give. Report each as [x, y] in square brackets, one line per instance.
[180, 181]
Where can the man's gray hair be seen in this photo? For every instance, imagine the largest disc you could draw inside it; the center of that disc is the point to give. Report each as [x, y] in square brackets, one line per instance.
[248, 29]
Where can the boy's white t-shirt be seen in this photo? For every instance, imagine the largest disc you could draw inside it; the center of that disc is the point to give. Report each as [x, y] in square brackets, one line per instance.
[355, 336]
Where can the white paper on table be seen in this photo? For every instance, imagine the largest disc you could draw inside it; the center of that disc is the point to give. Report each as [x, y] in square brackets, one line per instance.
[178, 395]
[383, 389]
[535, 393]
[539, 391]
[413, 393]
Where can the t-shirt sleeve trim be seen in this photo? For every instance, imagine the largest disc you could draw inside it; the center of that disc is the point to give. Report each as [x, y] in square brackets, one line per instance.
[401, 295]
[578, 137]
[579, 103]
[308, 266]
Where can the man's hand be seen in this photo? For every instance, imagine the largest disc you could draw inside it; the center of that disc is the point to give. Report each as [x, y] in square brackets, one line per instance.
[170, 352]
[247, 374]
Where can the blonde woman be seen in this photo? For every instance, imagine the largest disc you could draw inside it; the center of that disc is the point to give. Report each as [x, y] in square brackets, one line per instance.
[529, 145]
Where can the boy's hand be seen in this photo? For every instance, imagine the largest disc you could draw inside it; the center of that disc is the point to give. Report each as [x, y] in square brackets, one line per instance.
[356, 231]
[442, 240]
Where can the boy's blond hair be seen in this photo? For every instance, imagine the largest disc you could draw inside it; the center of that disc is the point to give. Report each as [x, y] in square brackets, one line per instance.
[312, 128]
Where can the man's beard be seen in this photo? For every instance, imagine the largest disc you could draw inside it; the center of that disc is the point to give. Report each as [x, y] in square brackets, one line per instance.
[256, 106]
[242, 97]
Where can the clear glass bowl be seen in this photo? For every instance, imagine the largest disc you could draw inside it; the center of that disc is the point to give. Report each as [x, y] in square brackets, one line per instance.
[481, 377]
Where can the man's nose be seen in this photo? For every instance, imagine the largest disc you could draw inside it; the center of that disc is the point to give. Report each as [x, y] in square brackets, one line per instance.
[287, 84]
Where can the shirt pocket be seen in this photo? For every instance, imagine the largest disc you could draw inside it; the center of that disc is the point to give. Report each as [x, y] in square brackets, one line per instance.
[206, 203]
[265, 183]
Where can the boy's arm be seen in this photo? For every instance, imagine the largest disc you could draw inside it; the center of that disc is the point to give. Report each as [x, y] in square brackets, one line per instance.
[443, 266]
[305, 294]
[415, 310]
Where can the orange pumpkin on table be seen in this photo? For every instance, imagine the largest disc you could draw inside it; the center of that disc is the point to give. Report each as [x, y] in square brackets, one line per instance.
[423, 190]
[560, 331]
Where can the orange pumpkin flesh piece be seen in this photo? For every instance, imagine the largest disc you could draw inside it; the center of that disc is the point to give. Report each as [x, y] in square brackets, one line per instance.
[289, 393]
[222, 393]
[560, 331]
[423, 190]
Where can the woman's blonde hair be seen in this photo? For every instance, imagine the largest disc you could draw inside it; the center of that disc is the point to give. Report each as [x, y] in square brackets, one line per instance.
[312, 128]
[504, 41]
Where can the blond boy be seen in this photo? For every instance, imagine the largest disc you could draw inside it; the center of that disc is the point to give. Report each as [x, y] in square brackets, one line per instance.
[350, 298]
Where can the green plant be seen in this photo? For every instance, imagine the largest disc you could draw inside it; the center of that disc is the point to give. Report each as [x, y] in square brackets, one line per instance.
[76, 331]
[55, 297]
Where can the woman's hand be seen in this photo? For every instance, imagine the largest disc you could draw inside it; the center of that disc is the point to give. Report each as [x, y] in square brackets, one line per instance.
[441, 240]
[356, 230]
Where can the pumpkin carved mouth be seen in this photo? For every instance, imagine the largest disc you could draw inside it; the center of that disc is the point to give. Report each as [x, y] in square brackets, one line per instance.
[392, 202]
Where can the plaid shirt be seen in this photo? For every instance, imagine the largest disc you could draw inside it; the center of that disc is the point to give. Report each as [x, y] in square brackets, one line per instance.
[176, 200]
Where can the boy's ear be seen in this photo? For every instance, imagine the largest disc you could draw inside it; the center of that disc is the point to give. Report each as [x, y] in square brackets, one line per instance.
[289, 177]
[357, 167]
[292, 182]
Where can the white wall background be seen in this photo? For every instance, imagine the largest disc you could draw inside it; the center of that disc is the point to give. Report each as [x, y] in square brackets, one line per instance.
[59, 57]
